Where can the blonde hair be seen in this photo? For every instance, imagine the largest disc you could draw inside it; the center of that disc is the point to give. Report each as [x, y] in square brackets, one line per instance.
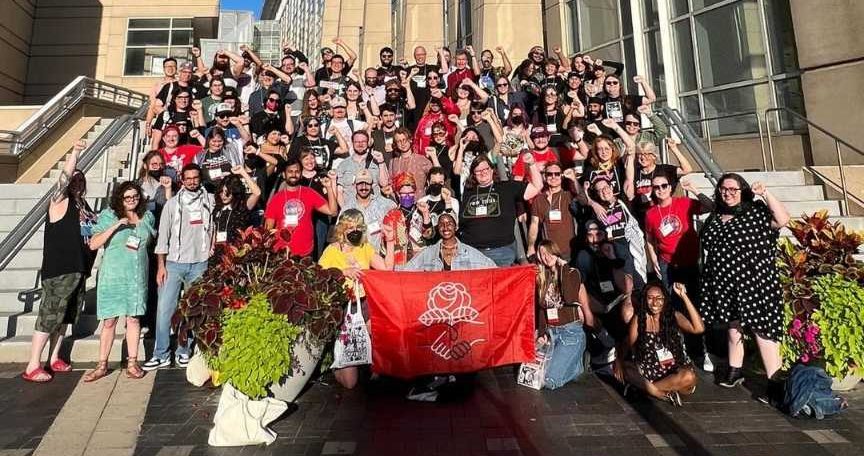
[647, 147]
[348, 217]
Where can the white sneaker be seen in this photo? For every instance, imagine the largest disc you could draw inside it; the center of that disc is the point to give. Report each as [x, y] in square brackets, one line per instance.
[156, 363]
[181, 360]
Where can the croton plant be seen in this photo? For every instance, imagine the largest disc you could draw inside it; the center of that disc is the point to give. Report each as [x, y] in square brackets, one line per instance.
[304, 294]
[821, 248]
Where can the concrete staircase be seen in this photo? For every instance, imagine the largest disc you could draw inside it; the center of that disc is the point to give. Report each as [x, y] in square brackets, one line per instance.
[20, 287]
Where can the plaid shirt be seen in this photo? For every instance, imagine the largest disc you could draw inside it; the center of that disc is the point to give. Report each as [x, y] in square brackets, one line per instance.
[429, 259]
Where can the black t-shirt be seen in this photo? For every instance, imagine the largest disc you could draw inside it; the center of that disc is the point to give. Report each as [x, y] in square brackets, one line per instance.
[488, 214]
[323, 149]
[617, 175]
[263, 122]
[214, 166]
[617, 108]
[172, 88]
[616, 220]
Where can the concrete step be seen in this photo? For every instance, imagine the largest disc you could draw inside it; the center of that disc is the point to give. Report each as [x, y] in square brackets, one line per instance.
[770, 179]
[798, 208]
[19, 279]
[24, 191]
[21, 324]
[23, 205]
[82, 350]
[27, 259]
[27, 299]
[35, 242]
[94, 173]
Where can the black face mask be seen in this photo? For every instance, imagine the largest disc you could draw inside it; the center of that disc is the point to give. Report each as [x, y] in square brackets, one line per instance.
[434, 189]
[155, 173]
[517, 120]
[354, 237]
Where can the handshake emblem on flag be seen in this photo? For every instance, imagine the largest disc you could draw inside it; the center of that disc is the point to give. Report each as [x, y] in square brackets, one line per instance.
[449, 305]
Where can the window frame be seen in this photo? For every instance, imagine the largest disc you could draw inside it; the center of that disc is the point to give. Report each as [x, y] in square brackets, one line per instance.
[169, 46]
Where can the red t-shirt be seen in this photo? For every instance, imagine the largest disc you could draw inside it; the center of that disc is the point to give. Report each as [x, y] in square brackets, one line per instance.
[292, 210]
[181, 157]
[671, 227]
[540, 160]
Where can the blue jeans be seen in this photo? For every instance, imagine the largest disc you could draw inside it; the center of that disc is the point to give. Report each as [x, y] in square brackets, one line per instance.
[567, 349]
[502, 256]
[179, 275]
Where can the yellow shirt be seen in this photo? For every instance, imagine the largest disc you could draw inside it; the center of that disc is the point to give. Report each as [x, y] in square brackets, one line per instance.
[358, 257]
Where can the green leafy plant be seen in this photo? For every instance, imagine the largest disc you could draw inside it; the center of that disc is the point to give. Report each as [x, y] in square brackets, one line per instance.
[256, 347]
[840, 317]
[821, 247]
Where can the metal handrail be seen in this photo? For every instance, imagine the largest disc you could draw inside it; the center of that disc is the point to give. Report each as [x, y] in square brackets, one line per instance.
[24, 230]
[755, 115]
[844, 208]
[55, 110]
[702, 156]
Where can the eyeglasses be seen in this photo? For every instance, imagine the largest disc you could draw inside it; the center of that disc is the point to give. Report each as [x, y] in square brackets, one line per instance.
[386, 56]
[503, 84]
[660, 186]
[439, 133]
[476, 112]
[483, 170]
[431, 78]
[393, 90]
[611, 83]
[632, 123]
[729, 190]
[130, 198]
[275, 100]
[311, 125]
[552, 174]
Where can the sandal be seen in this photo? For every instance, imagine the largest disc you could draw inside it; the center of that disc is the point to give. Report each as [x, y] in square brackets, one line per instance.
[61, 366]
[37, 375]
[133, 370]
[95, 374]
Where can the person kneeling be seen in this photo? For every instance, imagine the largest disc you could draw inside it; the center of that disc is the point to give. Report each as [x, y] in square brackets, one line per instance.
[564, 308]
[659, 364]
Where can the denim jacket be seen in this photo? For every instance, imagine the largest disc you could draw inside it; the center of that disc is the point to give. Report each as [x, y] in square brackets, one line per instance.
[429, 259]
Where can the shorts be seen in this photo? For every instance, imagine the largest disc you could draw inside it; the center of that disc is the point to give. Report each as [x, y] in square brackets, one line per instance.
[62, 296]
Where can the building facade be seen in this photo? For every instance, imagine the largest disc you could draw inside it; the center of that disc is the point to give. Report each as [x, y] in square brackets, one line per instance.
[301, 23]
[46, 44]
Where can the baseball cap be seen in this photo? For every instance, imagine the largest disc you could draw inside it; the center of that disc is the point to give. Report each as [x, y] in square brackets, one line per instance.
[223, 107]
[363, 176]
[573, 74]
[338, 102]
[539, 131]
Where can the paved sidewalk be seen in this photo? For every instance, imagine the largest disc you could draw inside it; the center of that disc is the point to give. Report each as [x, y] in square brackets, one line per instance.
[494, 416]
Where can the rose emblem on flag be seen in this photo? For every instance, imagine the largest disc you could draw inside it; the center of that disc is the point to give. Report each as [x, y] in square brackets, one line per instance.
[449, 304]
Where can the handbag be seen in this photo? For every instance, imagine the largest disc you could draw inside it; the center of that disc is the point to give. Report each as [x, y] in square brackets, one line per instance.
[353, 345]
[533, 374]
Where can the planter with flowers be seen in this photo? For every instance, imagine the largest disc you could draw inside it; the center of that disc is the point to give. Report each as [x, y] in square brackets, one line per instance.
[260, 320]
[823, 298]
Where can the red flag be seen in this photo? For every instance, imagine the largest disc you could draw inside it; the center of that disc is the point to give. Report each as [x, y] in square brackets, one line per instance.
[447, 322]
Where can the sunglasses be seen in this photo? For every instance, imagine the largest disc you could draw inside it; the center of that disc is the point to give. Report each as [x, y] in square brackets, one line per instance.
[503, 84]
[275, 100]
[611, 83]
[552, 174]
[221, 116]
[439, 133]
[632, 123]
[311, 125]
[660, 187]
[393, 90]
[432, 78]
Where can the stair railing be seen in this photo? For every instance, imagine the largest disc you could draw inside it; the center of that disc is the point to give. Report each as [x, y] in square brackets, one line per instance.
[844, 206]
[694, 143]
[111, 136]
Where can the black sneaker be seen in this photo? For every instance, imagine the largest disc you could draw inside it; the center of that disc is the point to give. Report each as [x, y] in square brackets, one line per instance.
[734, 377]
[181, 360]
[156, 363]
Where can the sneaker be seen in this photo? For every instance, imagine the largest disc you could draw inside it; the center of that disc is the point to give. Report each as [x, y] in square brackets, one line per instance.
[181, 360]
[733, 378]
[156, 363]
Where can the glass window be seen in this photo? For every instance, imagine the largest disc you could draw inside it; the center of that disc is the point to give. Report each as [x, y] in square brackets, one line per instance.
[573, 12]
[789, 95]
[740, 99]
[611, 52]
[684, 54]
[679, 7]
[651, 17]
[630, 65]
[598, 22]
[699, 4]
[784, 54]
[626, 18]
[150, 41]
[465, 22]
[654, 51]
[691, 110]
[730, 44]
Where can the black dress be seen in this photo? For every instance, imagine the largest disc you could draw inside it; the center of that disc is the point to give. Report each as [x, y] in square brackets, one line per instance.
[740, 279]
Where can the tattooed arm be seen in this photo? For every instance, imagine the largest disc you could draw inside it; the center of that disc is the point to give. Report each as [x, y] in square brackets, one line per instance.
[57, 208]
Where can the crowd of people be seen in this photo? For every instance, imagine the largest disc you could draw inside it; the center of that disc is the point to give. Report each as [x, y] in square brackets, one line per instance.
[454, 161]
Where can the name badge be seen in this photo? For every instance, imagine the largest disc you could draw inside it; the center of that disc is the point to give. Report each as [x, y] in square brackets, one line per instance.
[329, 85]
[609, 233]
[420, 80]
[214, 173]
[666, 229]
[427, 131]
[554, 215]
[373, 227]
[552, 128]
[481, 211]
[415, 234]
[195, 218]
[506, 112]
[133, 242]
[388, 141]
[664, 356]
[291, 221]
[552, 315]
[606, 286]
[221, 236]
[319, 160]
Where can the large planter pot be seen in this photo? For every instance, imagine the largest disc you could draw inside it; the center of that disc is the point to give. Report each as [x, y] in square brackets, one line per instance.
[241, 421]
[845, 384]
[293, 383]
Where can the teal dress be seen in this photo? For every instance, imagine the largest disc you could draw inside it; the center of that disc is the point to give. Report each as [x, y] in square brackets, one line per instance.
[122, 286]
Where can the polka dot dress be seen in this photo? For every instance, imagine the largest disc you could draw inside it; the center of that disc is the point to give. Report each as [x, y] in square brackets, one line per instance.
[739, 279]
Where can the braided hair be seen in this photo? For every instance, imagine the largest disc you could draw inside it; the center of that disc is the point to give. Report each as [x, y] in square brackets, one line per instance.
[669, 334]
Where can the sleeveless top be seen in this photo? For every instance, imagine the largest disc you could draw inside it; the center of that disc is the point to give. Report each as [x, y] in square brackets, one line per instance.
[66, 249]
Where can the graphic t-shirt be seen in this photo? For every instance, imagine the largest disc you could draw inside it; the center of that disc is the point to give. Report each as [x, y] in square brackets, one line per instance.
[616, 221]
[642, 199]
[617, 108]
[541, 157]
[180, 157]
[292, 210]
[322, 150]
[671, 227]
[488, 214]
[616, 175]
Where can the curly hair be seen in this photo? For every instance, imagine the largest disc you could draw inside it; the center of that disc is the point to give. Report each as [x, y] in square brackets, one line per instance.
[348, 217]
[235, 188]
[669, 334]
[116, 203]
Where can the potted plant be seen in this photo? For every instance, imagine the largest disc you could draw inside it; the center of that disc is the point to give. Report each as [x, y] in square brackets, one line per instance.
[260, 320]
[815, 269]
